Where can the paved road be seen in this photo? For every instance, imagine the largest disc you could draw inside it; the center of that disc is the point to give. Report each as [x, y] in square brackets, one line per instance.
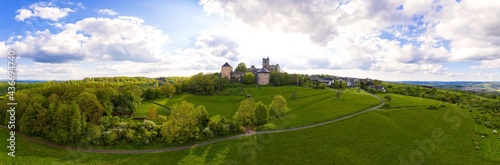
[198, 144]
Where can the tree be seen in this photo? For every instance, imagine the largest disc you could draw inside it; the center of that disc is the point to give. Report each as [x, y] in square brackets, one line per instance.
[167, 89]
[90, 107]
[278, 106]
[261, 114]
[338, 93]
[242, 67]
[106, 97]
[388, 98]
[182, 124]
[248, 78]
[246, 112]
[321, 85]
[152, 112]
[127, 103]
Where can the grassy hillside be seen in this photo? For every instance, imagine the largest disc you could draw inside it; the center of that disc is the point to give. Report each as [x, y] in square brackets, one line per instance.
[388, 136]
[308, 107]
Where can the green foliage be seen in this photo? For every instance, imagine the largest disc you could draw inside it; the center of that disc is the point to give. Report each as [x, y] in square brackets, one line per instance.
[219, 125]
[168, 89]
[246, 112]
[182, 125]
[248, 78]
[127, 103]
[432, 107]
[152, 113]
[388, 98]
[242, 67]
[90, 107]
[321, 85]
[201, 84]
[268, 126]
[278, 106]
[261, 114]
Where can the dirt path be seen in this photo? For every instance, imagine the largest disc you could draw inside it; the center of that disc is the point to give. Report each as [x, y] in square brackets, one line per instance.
[248, 133]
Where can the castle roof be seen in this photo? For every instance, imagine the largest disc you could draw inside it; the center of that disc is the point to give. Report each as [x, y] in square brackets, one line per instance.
[263, 70]
[226, 64]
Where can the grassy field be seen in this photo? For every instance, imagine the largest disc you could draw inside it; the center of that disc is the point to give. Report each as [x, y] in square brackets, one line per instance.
[146, 105]
[310, 105]
[410, 134]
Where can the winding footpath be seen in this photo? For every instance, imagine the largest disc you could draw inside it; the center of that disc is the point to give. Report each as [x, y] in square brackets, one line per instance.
[194, 145]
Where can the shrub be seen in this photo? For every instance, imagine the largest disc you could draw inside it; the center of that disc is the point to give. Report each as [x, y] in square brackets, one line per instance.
[386, 106]
[477, 147]
[432, 107]
[268, 126]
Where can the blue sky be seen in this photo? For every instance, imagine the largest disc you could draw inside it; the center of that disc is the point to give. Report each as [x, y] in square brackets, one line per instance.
[387, 39]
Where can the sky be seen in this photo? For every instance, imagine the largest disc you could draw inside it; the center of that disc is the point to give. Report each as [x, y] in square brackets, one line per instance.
[392, 40]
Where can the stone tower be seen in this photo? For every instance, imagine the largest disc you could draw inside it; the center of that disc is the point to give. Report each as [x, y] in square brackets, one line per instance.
[263, 76]
[225, 71]
[265, 63]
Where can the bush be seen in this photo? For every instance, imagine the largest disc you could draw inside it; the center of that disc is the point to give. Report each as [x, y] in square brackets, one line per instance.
[432, 107]
[386, 106]
[477, 147]
[268, 126]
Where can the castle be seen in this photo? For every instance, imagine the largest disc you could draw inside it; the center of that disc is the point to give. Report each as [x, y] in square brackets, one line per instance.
[261, 75]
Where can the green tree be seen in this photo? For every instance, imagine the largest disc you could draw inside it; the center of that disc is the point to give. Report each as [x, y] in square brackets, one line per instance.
[246, 112]
[29, 117]
[261, 114]
[90, 107]
[278, 106]
[106, 97]
[167, 89]
[182, 125]
[127, 103]
[242, 67]
[152, 112]
[248, 78]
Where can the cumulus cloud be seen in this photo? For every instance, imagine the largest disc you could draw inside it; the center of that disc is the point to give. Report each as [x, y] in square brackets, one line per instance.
[43, 10]
[474, 37]
[321, 20]
[107, 11]
[488, 64]
[118, 39]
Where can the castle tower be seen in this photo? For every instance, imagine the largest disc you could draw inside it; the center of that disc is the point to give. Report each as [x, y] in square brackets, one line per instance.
[265, 63]
[225, 71]
[263, 76]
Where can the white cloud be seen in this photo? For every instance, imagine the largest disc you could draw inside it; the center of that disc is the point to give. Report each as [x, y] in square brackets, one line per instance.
[488, 64]
[107, 11]
[117, 39]
[474, 37]
[23, 14]
[44, 11]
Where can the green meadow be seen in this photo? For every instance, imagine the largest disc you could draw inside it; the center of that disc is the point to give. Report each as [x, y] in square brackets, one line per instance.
[409, 134]
[309, 106]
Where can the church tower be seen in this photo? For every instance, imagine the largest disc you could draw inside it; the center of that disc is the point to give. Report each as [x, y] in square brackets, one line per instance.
[225, 71]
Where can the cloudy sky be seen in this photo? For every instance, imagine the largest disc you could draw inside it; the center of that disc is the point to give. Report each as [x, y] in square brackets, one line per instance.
[440, 40]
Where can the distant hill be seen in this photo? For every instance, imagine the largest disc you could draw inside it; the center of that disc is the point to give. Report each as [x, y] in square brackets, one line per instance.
[474, 86]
